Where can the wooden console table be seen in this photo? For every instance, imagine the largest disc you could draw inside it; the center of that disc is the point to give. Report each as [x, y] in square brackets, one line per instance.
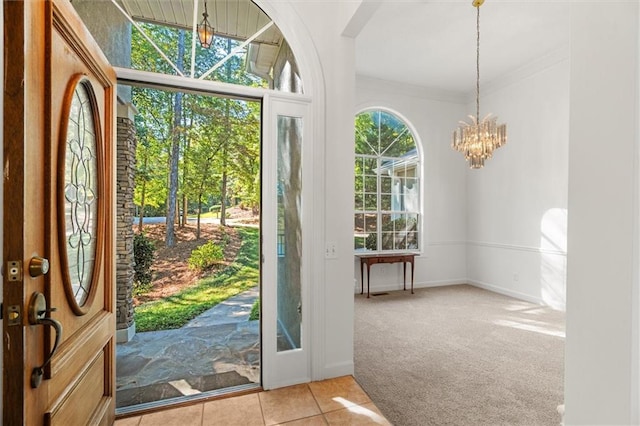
[372, 259]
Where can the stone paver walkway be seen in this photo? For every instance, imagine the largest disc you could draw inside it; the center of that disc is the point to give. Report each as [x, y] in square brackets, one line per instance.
[218, 349]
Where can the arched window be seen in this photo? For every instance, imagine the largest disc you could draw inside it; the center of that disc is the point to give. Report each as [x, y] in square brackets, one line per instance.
[387, 184]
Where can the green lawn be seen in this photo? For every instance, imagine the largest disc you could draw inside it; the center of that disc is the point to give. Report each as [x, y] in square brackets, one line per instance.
[205, 215]
[177, 310]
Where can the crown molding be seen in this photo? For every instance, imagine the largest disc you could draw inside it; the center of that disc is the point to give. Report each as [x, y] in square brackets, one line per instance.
[530, 69]
[418, 91]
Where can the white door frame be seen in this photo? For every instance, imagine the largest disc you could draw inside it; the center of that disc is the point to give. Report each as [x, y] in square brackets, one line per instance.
[276, 367]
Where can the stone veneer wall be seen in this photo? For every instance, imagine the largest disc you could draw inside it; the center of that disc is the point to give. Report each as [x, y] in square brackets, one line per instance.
[124, 232]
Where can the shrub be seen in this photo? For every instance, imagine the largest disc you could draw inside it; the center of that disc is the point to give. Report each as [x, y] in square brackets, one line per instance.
[144, 255]
[206, 256]
[255, 311]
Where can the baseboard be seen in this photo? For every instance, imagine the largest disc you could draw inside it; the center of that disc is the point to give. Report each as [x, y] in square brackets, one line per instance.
[507, 292]
[399, 286]
[338, 369]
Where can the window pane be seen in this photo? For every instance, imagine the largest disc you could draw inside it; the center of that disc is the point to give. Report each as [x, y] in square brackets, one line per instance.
[359, 202]
[359, 223]
[412, 222]
[387, 241]
[370, 166]
[385, 185]
[371, 242]
[371, 184]
[370, 202]
[371, 222]
[359, 184]
[385, 202]
[289, 277]
[412, 240]
[359, 166]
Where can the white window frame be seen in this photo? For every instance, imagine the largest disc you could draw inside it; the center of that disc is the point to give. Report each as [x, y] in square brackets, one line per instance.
[379, 212]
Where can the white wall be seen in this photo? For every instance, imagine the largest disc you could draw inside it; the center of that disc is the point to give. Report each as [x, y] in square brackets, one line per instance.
[433, 116]
[517, 203]
[601, 351]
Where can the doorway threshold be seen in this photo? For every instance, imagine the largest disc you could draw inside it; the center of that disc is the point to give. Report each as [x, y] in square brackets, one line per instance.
[179, 401]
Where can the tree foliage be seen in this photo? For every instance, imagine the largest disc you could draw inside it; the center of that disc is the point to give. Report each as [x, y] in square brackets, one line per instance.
[210, 140]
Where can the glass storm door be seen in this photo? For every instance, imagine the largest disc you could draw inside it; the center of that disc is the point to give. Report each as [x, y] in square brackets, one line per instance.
[285, 278]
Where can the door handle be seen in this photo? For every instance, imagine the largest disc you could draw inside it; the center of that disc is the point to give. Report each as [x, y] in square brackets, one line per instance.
[37, 312]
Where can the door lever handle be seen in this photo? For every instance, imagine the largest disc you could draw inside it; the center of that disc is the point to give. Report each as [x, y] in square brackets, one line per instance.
[37, 311]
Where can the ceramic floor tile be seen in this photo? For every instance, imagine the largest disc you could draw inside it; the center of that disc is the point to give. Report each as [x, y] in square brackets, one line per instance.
[367, 414]
[286, 404]
[184, 416]
[338, 393]
[309, 421]
[129, 421]
[240, 410]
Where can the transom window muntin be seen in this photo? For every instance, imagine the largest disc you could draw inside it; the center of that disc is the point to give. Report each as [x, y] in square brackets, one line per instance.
[387, 184]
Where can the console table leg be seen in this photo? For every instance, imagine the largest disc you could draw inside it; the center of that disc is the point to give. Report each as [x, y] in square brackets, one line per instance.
[361, 277]
[412, 269]
[404, 276]
[368, 278]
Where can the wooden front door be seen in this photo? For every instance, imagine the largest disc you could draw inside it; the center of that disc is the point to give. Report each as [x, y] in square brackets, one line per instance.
[58, 245]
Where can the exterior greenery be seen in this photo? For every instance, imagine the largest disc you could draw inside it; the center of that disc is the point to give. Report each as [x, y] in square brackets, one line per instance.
[194, 151]
[206, 256]
[144, 255]
[178, 309]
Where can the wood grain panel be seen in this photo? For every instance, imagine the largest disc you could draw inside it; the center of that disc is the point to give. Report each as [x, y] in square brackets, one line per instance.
[78, 352]
[79, 404]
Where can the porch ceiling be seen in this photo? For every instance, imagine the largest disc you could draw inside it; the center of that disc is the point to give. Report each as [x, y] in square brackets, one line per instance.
[237, 19]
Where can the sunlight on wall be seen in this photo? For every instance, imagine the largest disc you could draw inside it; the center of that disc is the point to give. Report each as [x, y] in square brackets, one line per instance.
[553, 263]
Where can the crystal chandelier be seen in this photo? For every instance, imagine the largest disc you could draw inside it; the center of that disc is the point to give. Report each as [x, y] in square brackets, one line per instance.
[477, 140]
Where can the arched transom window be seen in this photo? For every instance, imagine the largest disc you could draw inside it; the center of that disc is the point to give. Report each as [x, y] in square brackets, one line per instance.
[387, 184]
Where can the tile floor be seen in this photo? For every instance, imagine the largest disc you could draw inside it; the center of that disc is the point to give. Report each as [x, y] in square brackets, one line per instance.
[339, 401]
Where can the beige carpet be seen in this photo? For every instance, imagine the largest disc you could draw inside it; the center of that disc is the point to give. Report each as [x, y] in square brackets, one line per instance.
[460, 355]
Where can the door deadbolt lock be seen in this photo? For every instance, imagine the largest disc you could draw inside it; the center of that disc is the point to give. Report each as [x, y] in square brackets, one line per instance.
[38, 266]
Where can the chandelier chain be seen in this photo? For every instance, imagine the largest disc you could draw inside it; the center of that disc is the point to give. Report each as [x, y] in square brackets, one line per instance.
[478, 65]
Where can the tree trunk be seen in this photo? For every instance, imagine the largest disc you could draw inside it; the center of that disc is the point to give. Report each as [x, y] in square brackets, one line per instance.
[170, 240]
[225, 152]
[184, 211]
[199, 213]
[223, 191]
[142, 195]
[185, 170]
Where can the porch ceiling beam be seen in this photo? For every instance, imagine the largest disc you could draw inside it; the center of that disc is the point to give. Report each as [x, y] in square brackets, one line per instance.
[144, 34]
[236, 50]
